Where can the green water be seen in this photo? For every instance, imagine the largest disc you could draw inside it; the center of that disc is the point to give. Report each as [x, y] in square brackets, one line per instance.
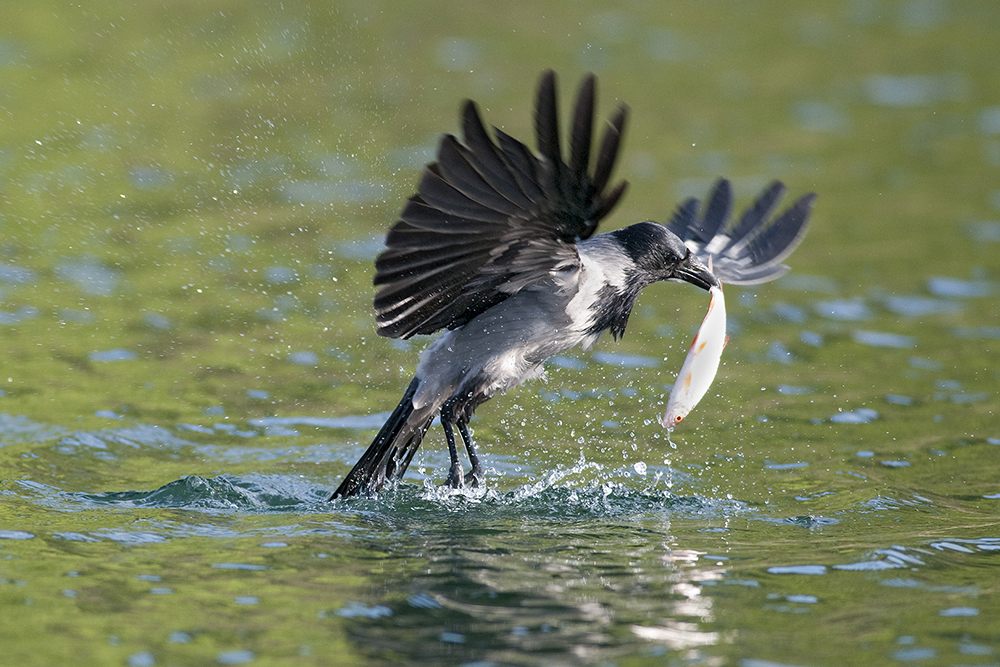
[191, 196]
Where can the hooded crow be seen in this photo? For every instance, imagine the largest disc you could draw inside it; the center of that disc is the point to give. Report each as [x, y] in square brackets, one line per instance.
[497, 248]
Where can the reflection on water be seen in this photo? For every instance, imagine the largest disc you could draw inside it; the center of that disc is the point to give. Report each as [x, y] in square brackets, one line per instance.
[559, 569]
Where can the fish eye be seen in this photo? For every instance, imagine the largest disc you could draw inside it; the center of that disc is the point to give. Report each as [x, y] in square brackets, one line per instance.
[677, 419]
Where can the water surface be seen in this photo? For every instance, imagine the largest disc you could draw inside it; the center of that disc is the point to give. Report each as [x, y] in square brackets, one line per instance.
[192, 197]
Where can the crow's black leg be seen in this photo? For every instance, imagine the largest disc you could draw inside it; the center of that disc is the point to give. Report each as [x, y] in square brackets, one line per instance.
[475, 476]
[455, 479]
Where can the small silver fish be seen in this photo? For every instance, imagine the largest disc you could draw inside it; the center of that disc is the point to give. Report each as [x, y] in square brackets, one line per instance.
[701, 363]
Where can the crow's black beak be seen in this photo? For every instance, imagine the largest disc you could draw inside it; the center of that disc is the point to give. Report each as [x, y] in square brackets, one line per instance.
[690, 270]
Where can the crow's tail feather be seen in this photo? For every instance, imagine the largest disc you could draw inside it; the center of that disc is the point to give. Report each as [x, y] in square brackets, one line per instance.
[391, 450]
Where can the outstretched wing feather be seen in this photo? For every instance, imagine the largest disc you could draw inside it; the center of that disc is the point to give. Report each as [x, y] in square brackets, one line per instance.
[610, 143]
[490, 216]
[720, 205]
[483, 154]
[779, 240]
[748, 252]
[754, 219]
[456, 168]
[580, 135]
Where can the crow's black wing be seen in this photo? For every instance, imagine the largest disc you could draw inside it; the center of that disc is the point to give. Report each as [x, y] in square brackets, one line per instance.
[751, 250]
[492, 217]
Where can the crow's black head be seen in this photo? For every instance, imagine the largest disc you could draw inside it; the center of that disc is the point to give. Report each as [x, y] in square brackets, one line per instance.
[659, 254]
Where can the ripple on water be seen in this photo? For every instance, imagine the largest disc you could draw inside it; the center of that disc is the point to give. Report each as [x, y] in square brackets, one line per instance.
[798, 569]
[811, 338]
[362, 249]
[867, 566]
[280, 275]
[925, 364]
[75, 537]
[981, 232]
[805, 282]
[351, 422]
[959, 611]
[811, 521]
[820, 117]
[844, 310]
[955, 287]
[15, 535]
[359, 610]
[219, 494]
[984, 331]
[883, 339]
[560, 495]
[141, 659]
[17, 275]
[90, 275]
[304, 358]
[240, 657]
[23, 313]
[329, 192]
[920, 306]
[785, 466]
[790, 313]
[129, 537]
[137, 436]
[570, 363]
[239, 566]
[116, 354]
[914, 90]
[859, 416]
[777, 352]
